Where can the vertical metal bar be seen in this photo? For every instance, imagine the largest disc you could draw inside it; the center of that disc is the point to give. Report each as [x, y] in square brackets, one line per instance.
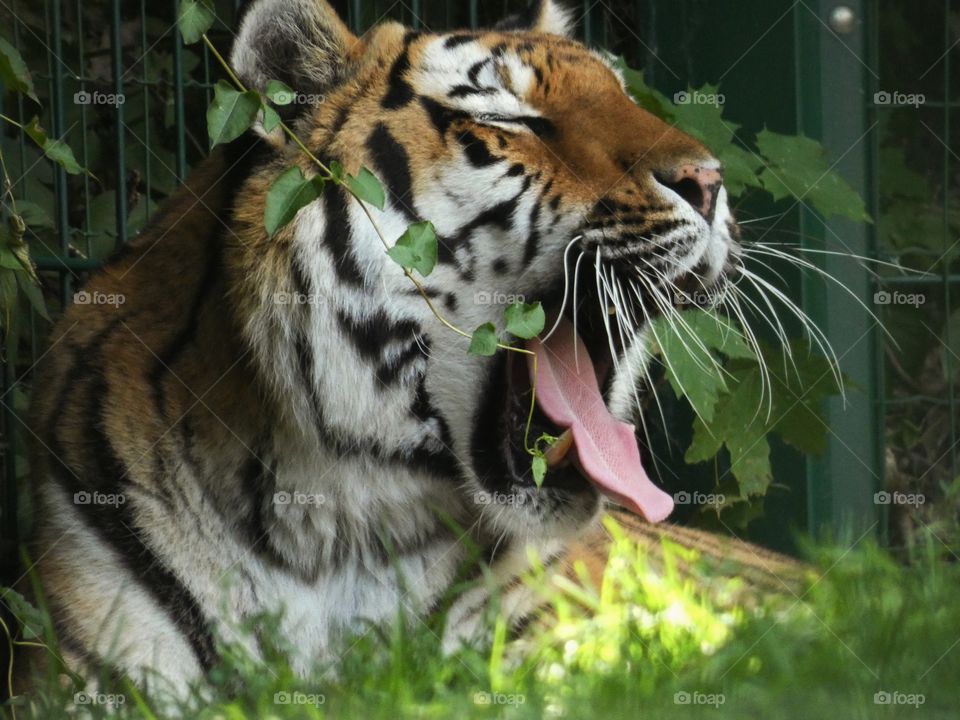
[841, 483]
[356, 16]
[947, 184]
[474, 15]
[119, 136]
[179, 117]
[57, 128]
[84, 129]
[416, 10]
[587, 22]
[872, 21]
[147, 158]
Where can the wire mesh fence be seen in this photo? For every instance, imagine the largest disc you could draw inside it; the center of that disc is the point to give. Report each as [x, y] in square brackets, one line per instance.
[116, 83]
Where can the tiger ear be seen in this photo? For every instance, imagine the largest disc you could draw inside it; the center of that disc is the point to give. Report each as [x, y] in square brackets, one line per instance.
[544, 16]
[302, 43]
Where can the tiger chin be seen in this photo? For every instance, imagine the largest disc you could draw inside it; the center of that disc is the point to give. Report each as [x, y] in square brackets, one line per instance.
[280, 424]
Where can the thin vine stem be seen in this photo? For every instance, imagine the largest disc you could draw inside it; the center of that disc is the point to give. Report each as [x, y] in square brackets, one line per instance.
[329, 176]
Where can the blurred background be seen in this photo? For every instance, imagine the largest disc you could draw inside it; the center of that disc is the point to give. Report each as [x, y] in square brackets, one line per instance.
[874, 83]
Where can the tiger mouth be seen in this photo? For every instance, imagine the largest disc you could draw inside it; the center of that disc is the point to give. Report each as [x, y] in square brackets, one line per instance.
[598, 454]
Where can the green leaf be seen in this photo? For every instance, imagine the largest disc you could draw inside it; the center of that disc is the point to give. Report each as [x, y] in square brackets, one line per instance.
[484, 340]
[797, 167]
[290, 192]
[539, 468]
[337, 172]
[689, 344]
[367, 187]
[231, 114]
[33, 294]
[194, 18]
[54, 149]
[271, 119]
[29, 617]
[416, 249]
[525, 321]
[279, 93]
[14, 72]
[34, 215]
[740, 423]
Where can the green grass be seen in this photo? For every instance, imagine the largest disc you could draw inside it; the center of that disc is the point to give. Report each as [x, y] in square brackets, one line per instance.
[626, 650]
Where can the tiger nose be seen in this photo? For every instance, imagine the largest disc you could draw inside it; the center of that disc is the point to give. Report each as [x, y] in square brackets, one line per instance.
[699, 186]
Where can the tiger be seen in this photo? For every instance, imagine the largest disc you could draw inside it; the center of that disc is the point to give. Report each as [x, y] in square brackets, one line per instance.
[282, 423]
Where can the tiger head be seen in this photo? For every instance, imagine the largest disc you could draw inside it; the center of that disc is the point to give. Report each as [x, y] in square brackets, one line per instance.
[545, 181]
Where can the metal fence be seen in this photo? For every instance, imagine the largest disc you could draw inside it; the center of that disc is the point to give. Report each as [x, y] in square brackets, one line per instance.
[781, 64]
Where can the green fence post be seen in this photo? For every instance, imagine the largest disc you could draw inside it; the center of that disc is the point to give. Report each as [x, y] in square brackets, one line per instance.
[832, 75]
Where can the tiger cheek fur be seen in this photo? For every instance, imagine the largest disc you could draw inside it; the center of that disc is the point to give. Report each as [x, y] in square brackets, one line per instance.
[287, 425]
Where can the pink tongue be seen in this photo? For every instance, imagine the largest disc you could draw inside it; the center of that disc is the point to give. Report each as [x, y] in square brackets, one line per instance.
[568, 393]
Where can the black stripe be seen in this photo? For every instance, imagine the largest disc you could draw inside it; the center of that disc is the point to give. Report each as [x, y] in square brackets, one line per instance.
[103, 471]
[337, 236]
[390, 370]
[399, 91]
[167, 358]
[372, 333]
[461, 91]
[393, 162]
[476, 150]
[474, 72]
[533, 240]
[457, 40]
[441, 116]
[500, 215]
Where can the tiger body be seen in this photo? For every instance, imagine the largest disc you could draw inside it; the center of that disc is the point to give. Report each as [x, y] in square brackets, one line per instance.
[280, 423]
